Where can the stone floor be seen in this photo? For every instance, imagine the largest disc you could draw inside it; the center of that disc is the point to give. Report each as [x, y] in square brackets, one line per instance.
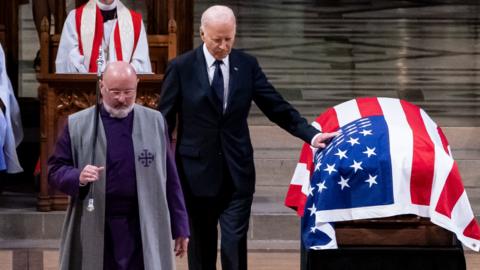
[48, 260]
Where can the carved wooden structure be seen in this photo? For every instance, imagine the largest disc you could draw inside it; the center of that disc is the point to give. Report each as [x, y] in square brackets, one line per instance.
[406, 230]
[400, 242]
[63, 94]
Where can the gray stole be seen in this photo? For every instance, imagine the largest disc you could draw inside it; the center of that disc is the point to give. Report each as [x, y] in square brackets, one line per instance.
[83, 232]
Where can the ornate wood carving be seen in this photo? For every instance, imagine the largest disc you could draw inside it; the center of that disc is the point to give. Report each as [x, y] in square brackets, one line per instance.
[69, 101]
[148, 99]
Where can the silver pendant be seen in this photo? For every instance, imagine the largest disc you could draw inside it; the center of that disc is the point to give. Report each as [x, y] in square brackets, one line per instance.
[90, 206]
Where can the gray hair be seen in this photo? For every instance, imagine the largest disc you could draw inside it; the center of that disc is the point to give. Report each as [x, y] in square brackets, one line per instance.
[217, 13]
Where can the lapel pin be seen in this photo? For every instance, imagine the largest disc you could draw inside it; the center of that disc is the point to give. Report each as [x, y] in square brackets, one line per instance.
[235, 68]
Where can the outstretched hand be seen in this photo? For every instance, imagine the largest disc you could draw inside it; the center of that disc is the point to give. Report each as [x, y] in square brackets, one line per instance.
[321, 140]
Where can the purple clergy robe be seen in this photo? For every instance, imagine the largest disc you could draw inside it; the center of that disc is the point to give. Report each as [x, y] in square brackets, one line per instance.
[123, 244]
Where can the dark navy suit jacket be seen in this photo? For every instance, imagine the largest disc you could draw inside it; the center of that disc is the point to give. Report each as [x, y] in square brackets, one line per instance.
[208, 138]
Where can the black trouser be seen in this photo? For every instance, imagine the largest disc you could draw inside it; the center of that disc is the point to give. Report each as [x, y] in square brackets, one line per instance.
[232, 211]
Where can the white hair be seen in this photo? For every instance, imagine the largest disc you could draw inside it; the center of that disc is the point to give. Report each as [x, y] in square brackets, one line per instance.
[217, 13]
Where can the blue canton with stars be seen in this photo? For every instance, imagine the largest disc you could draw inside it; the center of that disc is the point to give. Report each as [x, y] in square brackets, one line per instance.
[355, 169]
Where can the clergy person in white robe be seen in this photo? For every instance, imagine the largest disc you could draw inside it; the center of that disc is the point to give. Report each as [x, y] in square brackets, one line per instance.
[108, 24]
[11, 131]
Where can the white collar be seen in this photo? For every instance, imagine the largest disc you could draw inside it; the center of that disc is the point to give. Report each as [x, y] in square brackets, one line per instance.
[103, 6]
[210, 59]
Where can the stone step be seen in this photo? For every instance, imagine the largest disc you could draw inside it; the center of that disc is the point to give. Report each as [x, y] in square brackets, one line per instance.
[269, 221]
[275, 143]
[272, 225]
[271, 171]
[268, 231]
[28, 224]
[462, 139]
[277, 152]
[444, 113]
[53, 245]
[273, 197]
[42, 230]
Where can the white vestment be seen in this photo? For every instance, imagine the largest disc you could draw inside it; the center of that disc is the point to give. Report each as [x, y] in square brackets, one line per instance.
[11, 128]
[70, 59]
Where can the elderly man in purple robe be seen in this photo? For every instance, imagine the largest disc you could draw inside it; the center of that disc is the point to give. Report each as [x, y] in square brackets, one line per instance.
[139, 204]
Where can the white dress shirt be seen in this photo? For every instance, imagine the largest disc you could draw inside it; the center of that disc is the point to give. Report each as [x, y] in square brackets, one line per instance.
[225, 72]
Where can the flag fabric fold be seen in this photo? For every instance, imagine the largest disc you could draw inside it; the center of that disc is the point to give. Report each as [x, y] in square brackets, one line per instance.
[390, 159]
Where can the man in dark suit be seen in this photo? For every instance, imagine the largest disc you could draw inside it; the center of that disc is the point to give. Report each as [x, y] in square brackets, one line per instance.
[207, 95]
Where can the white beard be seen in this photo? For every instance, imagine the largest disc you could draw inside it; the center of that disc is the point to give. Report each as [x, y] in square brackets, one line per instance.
[118, 113]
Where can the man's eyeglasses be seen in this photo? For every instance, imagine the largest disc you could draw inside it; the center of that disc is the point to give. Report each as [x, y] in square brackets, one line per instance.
[126, 93]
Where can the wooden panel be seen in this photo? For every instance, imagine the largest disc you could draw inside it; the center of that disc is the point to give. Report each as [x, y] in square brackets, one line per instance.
[407, 230]
[60, 15]
[2, 34]
[80, 2]
[52, 51]
[163, 48]
[157, 16]
[184, 17]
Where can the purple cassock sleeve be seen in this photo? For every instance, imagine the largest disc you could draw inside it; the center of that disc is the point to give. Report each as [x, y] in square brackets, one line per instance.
[175, 199]
[61, 173]
[64, 177]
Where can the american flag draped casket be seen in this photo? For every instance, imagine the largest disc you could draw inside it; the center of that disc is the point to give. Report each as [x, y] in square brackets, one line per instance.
[390, 159]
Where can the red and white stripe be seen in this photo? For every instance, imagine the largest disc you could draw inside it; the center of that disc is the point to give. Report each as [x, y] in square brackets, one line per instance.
[426, 179]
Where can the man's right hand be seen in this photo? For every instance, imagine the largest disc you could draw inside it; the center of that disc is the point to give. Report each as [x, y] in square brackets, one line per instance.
[89, 174]
[321, 139]
[181, 246]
